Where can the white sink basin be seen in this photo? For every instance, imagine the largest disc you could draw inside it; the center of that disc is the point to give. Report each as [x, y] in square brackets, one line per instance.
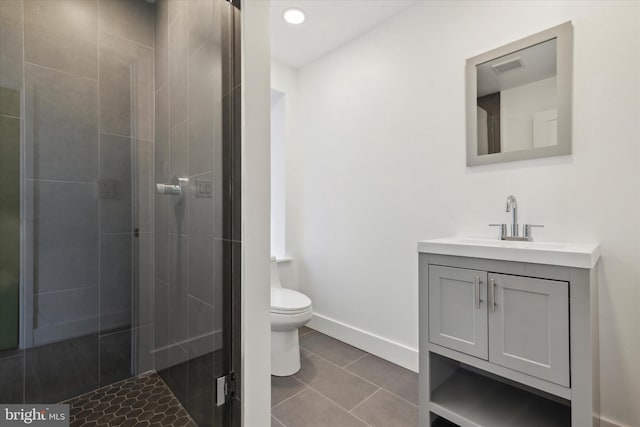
[579, 255]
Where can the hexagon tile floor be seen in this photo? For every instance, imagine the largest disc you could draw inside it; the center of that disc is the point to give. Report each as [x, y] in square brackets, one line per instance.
[141, 401]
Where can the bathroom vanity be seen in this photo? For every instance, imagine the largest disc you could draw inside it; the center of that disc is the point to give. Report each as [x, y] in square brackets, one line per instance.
[508, 333]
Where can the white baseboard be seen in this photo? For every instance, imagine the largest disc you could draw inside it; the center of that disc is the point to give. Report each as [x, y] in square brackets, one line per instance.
[384, 348]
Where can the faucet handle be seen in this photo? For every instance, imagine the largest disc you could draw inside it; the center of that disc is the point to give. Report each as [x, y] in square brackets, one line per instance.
[526, 230]
[503, 230]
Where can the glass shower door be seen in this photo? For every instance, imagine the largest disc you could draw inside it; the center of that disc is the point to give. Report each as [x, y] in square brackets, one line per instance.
[197, 202]
[108, 282]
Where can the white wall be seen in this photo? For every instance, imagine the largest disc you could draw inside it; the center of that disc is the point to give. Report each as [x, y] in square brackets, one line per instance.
[383, 166]
[278, 175]
[255, 325]
[284, 80]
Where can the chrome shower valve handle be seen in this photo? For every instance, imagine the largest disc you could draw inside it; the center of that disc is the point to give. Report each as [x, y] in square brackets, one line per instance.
[173, 189]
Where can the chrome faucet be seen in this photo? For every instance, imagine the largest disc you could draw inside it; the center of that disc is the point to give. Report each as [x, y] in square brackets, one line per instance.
[511, 205]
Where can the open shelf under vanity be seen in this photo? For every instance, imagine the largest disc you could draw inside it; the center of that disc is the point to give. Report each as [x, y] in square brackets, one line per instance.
[469, 397]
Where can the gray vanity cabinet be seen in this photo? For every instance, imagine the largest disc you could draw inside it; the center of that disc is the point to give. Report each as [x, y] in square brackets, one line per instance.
[529, 326]
[457, 309]
[507, 343]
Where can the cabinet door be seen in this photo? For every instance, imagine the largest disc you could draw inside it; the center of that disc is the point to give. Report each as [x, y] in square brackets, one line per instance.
[458, 309]
[529, 326]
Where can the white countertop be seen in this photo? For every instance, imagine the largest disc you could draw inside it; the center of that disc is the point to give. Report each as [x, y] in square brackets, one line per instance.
[578, 255]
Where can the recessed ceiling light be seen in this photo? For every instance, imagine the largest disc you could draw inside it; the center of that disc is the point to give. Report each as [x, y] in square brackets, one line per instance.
[294, 16]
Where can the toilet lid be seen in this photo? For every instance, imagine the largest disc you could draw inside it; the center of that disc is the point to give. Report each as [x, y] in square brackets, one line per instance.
[288, 300]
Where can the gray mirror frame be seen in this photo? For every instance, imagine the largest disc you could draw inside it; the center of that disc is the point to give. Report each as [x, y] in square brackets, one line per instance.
[564, 35]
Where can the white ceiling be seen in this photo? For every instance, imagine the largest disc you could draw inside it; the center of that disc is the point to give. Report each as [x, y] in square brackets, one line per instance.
[329, 24]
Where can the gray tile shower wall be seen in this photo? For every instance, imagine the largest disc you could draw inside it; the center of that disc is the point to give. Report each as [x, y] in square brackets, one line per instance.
[12, 138]
[126, 86]
[12, 372]
[11, 25]
[178, 65]
[127, 111]
[116, 270]
[83, 96]
[62, 249]
[130, 20]
[61, 113]
[59, 370]
[9, 230]
[62, 35]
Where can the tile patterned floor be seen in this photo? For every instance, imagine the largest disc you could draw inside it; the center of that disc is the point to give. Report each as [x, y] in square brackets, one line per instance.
[342, 386]
[141, 401]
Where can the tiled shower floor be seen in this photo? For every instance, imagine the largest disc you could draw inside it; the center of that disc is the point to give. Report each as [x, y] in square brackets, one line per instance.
[141, 401]
[342, 386]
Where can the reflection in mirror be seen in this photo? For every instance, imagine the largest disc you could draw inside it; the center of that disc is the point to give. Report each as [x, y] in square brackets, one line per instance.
[517, 100]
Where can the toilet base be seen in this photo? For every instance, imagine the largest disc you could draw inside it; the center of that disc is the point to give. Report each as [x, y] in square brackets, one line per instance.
[285, 353]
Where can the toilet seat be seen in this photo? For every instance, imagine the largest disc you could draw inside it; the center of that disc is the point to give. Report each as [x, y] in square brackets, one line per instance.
[288, 301]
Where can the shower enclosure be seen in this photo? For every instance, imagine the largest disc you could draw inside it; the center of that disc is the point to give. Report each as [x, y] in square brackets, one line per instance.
[120, 206]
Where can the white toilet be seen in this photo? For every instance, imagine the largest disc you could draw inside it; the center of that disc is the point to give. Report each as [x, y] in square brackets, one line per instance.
[290, 310]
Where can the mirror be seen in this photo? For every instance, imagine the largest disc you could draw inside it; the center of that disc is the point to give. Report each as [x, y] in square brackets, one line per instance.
[519, 99]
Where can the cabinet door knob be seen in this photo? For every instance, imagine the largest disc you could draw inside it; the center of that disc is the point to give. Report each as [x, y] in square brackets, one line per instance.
[476, 291]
